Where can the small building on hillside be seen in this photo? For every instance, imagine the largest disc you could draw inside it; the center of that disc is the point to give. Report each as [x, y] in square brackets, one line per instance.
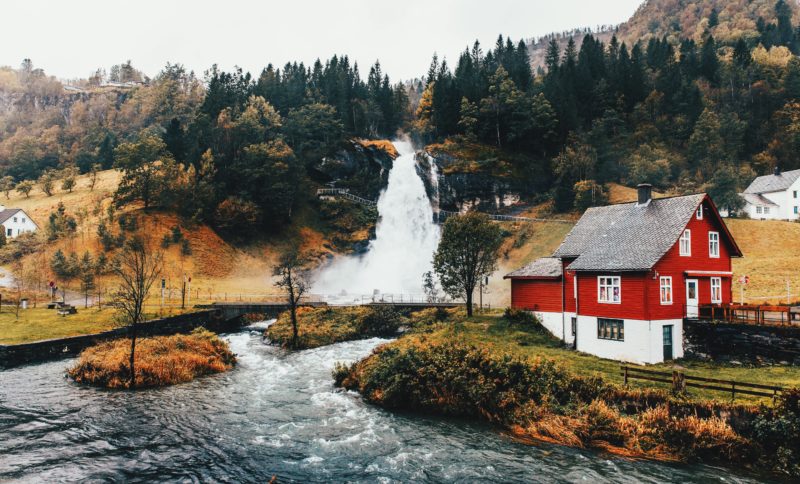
[627, 276]
[15, 222]
[773, 197]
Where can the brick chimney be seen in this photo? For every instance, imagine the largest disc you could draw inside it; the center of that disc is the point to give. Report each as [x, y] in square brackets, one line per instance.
[645, 193]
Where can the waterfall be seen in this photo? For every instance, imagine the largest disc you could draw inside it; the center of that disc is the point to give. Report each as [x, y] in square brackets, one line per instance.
[406, 238]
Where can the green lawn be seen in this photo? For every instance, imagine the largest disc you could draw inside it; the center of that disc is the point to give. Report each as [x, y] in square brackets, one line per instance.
[494, 332]
[40, 324]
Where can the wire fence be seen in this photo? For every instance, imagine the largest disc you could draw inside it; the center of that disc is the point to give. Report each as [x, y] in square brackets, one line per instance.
[440, 215]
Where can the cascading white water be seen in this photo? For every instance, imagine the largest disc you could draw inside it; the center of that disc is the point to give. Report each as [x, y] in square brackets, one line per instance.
[406, 238]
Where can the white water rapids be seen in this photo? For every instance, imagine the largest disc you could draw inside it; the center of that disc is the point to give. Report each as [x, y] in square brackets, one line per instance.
[406, 238]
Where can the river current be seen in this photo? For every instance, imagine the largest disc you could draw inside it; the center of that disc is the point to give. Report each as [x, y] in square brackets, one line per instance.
[275, 414]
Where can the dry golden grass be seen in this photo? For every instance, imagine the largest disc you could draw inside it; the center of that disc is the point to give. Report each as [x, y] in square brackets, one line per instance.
[39, 205]
[771, 250]
[621, 194]
[160, 361]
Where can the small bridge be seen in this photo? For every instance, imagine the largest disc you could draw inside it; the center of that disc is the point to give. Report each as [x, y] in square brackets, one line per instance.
[439, 215]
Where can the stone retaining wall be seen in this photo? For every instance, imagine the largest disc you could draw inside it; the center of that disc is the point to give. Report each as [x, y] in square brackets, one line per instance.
[16, 355]
[741, 342]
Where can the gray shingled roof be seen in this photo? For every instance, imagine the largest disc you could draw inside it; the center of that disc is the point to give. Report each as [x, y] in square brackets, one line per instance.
[8, 213]
[546, 267]
[756, 199]
[627, 237]
[773, 183]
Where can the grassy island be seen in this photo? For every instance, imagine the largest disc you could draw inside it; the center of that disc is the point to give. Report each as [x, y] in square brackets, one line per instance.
[160, 361]
[514, 376]
[324, 326]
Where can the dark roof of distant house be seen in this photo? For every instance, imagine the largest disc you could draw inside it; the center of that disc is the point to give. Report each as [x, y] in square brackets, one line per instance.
[8, 213]
[773, 183]
[756, 199]
[630, 237]
[547, 268]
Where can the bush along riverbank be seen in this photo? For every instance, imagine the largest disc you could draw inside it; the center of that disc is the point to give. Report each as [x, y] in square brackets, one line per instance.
[160, 360]
[325, 326]
[540, 400]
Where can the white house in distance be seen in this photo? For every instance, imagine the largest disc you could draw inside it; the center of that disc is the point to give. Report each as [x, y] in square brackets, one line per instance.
[773, 197]
[15, 222]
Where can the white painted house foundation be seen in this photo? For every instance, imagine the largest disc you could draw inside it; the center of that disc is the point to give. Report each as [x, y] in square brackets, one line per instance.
[643, 341]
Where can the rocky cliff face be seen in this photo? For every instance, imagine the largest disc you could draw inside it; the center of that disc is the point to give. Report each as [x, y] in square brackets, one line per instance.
[361, 166]
[457, 191]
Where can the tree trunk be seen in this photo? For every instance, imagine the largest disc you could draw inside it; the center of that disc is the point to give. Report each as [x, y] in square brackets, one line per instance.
[469, 303]
[294, 324]
[132, 358]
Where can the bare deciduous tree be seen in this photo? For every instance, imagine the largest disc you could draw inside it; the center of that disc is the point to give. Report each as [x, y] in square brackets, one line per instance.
[294, 280]
[138, 266]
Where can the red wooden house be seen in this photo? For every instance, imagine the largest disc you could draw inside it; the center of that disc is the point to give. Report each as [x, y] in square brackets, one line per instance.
[627, 276]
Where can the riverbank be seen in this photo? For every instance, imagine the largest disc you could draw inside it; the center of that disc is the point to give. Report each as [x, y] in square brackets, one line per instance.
[489, 369]
[160, 361]
[325, 326]
[24, 353]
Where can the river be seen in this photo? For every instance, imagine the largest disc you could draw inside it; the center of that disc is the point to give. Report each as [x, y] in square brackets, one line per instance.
[275, 414]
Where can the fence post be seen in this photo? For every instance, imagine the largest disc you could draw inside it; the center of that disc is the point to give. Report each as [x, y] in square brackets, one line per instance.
[678, 382]
[625, 375]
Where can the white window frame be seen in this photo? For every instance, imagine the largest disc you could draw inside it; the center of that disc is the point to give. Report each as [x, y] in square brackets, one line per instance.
[766, 210]
[665, 283]
[700, 212]
[759, 209]
[686, 238]
[716, 290]
[609, 283]
[713, 245]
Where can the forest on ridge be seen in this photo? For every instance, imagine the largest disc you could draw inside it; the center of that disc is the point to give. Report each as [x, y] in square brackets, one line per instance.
[684, 110]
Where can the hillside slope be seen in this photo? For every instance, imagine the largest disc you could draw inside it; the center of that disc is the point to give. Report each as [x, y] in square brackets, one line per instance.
[219, 268]
[676, 19]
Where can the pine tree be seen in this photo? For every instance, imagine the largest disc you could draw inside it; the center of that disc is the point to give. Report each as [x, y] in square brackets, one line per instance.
[709, 62]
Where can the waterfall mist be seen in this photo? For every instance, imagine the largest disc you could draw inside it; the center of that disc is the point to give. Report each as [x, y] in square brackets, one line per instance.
[405, 241]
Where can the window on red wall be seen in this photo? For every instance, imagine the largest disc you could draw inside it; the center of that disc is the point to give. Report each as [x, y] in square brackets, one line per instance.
[609, 289]
[713, 244]
[686, 243]
[666, 290]
[716, 290]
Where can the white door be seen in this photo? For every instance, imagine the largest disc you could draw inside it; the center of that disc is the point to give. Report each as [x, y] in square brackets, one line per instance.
[692, 298]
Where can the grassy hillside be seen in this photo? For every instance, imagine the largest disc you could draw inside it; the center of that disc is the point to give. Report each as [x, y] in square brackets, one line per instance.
[219, 268]
[771, 251]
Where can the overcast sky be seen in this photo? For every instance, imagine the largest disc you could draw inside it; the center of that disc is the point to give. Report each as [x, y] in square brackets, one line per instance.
[73, 38]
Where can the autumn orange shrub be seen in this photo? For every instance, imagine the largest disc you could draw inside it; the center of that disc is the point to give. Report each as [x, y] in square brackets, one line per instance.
[160, 360]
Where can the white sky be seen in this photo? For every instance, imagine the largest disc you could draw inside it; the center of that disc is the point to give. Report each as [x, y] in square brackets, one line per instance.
[73, 38]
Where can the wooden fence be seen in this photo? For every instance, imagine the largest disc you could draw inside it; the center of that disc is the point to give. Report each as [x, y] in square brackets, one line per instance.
[680, 381]
[749, 314]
